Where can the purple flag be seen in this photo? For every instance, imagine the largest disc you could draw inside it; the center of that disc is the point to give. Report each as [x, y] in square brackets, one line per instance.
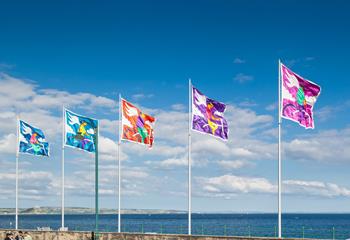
[208, 115]
[298, 98]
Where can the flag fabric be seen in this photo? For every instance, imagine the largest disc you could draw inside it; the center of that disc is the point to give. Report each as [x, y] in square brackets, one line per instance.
[136, 125]
[298, 98]
[80, 132]
[208, 115]
[32, 140]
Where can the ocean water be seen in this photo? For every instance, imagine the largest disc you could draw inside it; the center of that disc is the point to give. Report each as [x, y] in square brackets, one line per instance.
[326, 226]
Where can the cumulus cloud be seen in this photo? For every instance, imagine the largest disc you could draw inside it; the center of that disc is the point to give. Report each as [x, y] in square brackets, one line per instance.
[315, 188]
[33, 185]
[325, 146]
[134, 183]
[169, 163]
[235, 164]
[249, 142]
[229, 185]
[8, 143]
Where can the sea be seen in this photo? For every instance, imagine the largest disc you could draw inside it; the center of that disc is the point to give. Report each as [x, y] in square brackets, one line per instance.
[322, 226]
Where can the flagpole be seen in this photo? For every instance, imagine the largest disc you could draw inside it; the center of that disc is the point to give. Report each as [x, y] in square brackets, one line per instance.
[119, 164]
[279, 154]
[189, 156]
[96, 181]
[62, 170]
[17, 156]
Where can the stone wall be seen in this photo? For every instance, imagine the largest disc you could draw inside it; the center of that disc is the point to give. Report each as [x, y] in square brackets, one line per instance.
[69, 235]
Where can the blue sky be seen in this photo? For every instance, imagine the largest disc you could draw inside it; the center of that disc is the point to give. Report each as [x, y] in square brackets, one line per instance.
[81, 54]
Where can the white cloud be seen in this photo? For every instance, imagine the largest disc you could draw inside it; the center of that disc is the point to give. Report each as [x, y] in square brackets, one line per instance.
[248, 103]
[238, 61]
[28, 97]
[247, 143]
[304, 61]
[235, 164]
[178, 107]
[33, 185]
[174, 162]
[202, 145]
[315, 188]
[325, 146]
[272, 107]
[140, 96]
[8, 143]
[232, 184]
[172, 126]
[13, 89]
[178, 162]
[228, 185]
[161, 149]
[242, 78]
[110, 126]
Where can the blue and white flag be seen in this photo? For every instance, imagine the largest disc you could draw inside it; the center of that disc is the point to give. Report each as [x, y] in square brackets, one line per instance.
[80, 132]
[32, 140]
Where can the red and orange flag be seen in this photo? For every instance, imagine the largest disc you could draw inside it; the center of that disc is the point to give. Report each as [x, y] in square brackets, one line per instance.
[136, 125]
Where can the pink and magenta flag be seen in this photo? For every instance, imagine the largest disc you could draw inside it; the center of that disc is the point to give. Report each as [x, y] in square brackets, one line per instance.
[208, 115]
[298, 98]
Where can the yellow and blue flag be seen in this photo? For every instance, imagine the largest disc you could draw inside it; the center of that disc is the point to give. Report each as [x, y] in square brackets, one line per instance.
[80, 132]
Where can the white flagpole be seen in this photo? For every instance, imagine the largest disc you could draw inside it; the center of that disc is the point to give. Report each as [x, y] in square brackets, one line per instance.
[119, 165]
[17, 155]
[189, 155]
[62, 171]
[279, 154]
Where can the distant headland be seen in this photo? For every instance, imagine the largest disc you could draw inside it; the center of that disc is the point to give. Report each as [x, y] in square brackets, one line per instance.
[82, 210]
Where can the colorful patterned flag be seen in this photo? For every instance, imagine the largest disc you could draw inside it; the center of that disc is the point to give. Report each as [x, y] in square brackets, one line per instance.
[136, 125]
[80, 132]
[32, 140]
[208, 115]
[298, 98]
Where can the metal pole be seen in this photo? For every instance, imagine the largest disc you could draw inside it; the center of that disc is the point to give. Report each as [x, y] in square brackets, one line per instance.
[189, 155]
[279, 155]
[17, 155]
[16, 191]
[119, 164]
[96, 181]
[62, 171]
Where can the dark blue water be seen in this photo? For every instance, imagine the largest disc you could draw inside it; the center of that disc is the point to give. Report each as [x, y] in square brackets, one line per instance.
[327, 226]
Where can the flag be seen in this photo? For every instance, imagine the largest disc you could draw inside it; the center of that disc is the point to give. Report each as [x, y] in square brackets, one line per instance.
[136, 125]
[298, 98]
[80, 132]
[208, 115]
[32, 140]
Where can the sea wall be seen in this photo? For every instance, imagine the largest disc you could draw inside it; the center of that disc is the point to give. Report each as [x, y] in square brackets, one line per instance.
[69, 235]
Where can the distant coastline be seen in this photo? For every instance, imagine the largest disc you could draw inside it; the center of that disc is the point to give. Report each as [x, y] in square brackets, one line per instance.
[82, 210]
